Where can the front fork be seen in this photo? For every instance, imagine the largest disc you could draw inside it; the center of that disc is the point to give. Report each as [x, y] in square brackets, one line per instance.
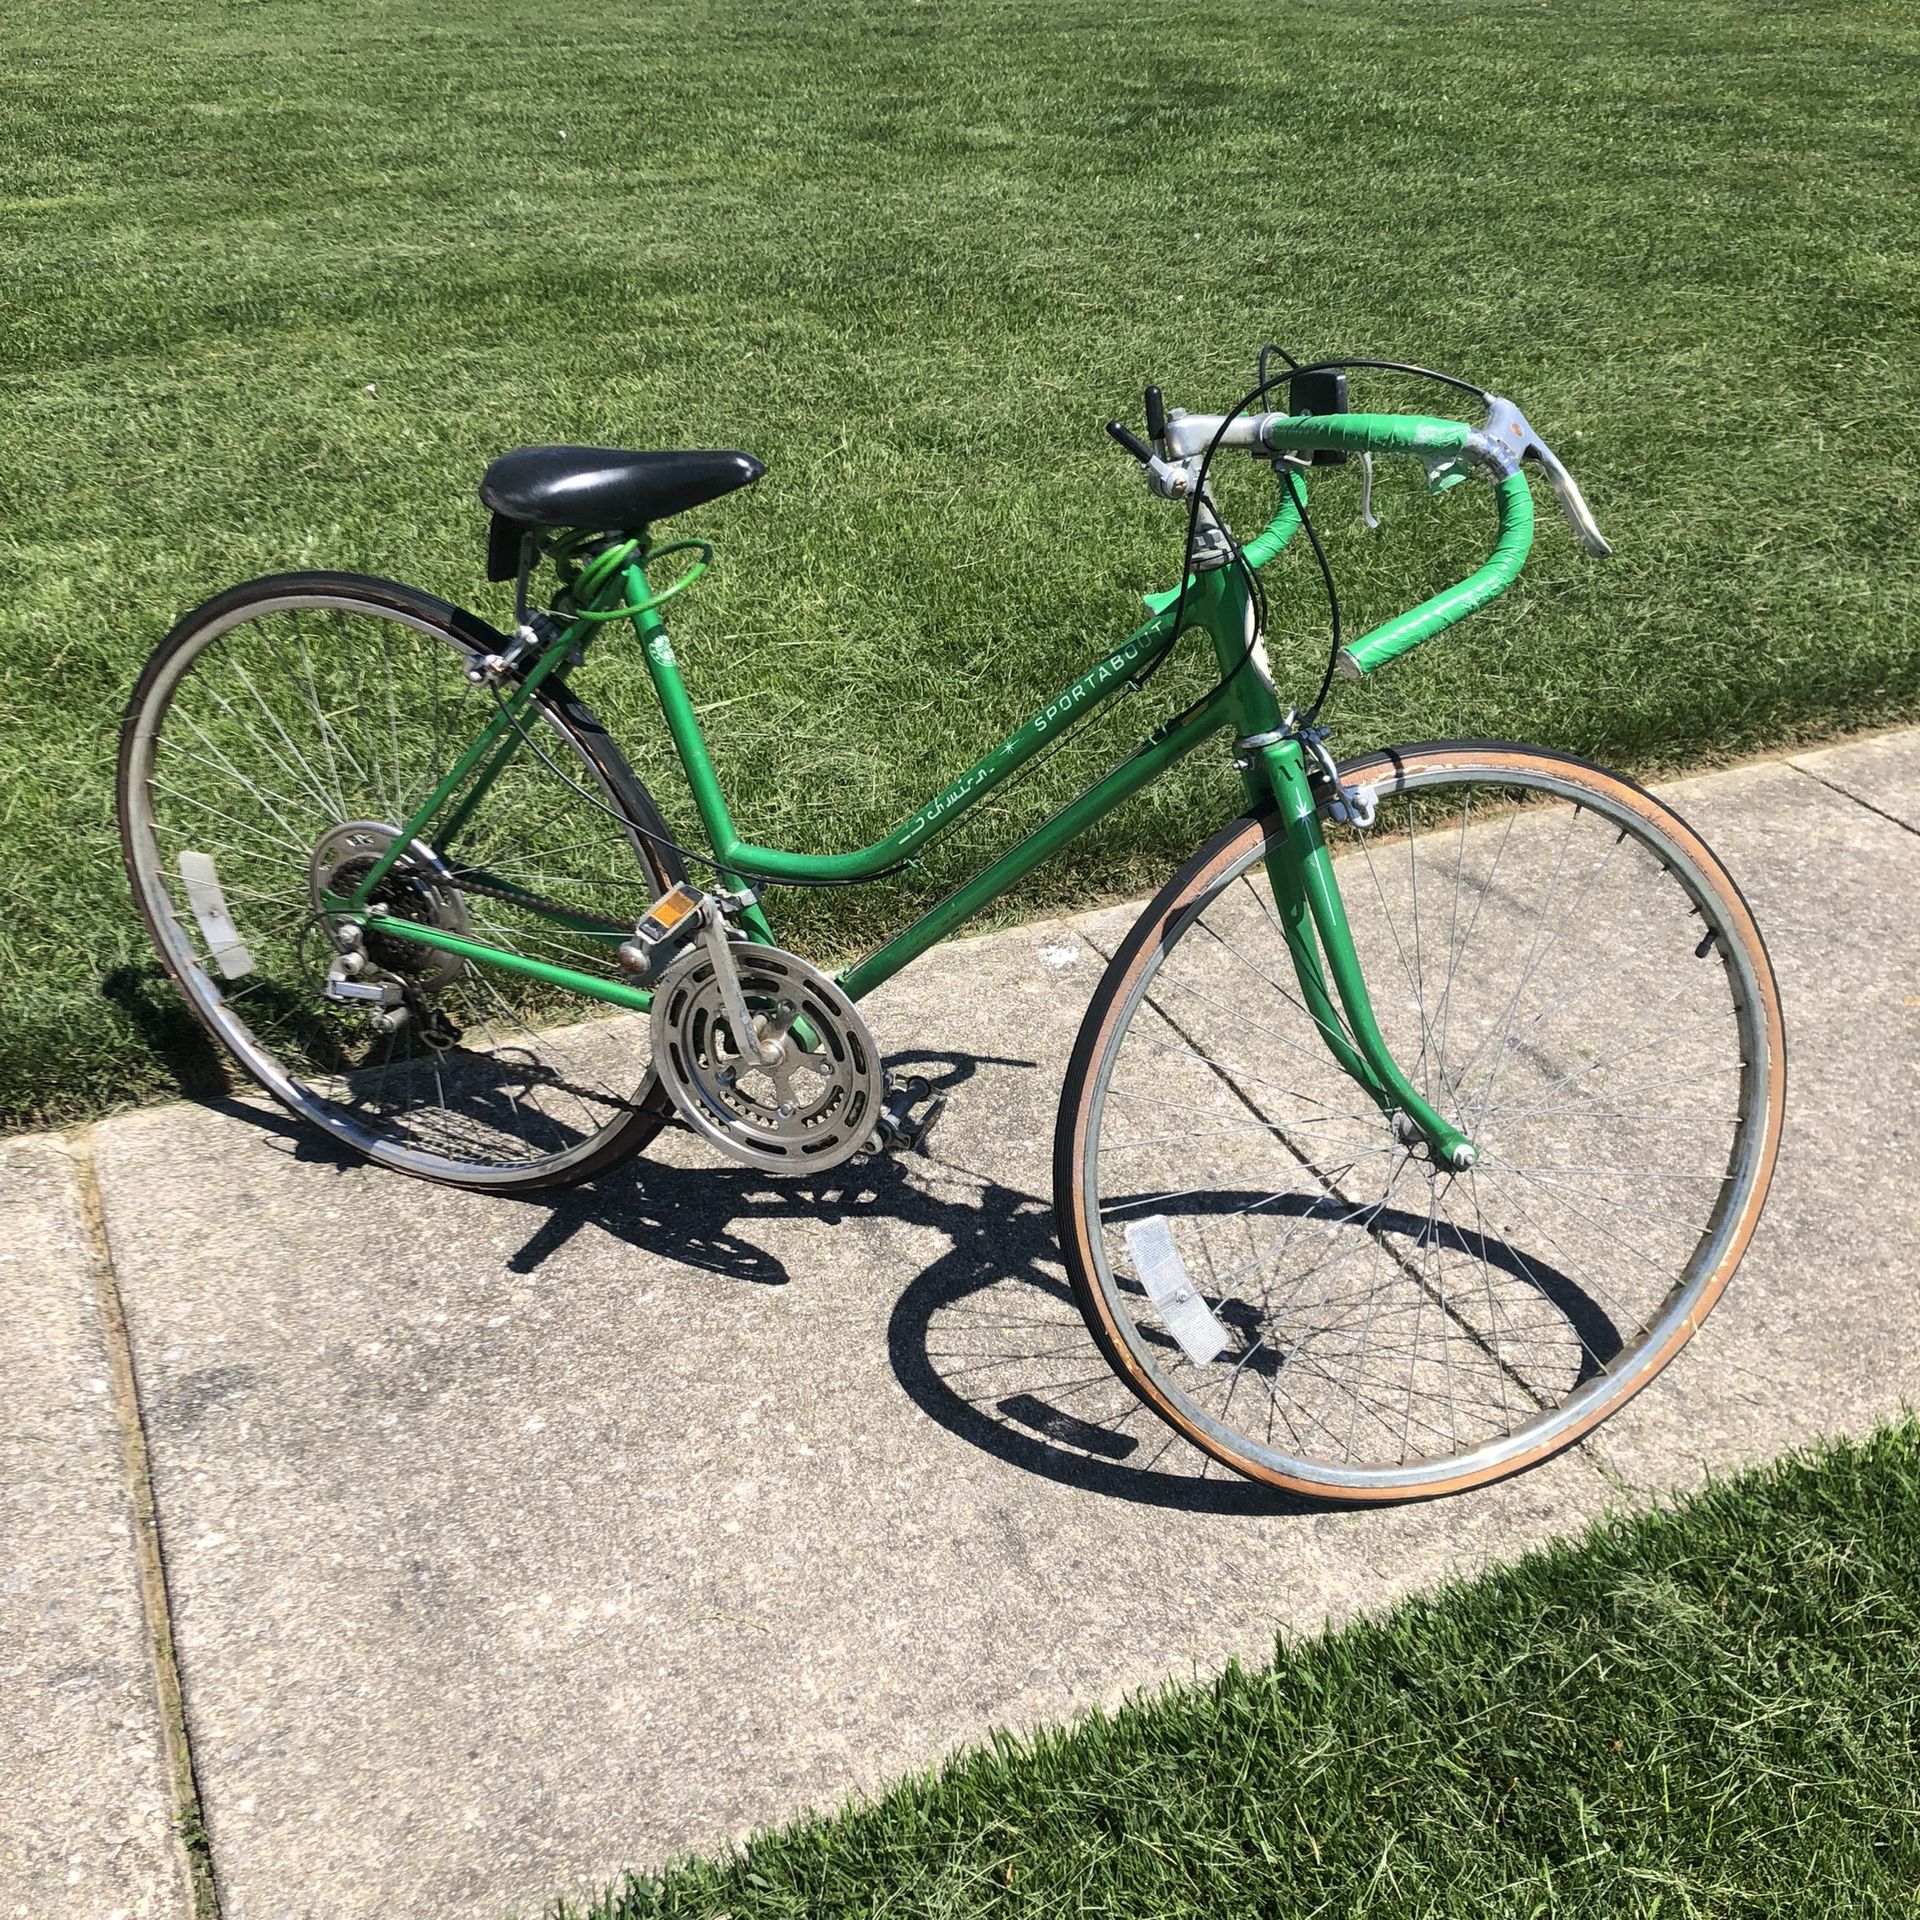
[1313, 917]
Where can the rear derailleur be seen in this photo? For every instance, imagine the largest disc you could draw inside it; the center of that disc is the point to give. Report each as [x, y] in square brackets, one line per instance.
[391, 1001]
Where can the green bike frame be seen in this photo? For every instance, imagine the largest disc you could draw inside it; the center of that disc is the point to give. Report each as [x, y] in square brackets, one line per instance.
[1272, 759]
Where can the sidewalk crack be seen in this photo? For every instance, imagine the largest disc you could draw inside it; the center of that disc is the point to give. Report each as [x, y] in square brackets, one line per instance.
[1847, 793]
[149, 1555]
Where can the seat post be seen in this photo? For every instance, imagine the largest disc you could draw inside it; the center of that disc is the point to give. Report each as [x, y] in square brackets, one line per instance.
[676, 705]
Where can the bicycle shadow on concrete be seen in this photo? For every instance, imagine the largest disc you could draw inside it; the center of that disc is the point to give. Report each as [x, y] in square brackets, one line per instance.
[144, 995]
[987, 1339]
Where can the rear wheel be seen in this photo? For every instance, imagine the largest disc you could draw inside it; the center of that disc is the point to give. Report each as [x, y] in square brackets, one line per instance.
[1561, 966]
[278, 740]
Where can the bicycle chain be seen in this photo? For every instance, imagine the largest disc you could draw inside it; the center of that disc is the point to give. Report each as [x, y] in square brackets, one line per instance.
[520, 897]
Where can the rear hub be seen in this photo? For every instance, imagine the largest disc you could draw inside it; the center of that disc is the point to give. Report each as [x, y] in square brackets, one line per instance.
[418, 887]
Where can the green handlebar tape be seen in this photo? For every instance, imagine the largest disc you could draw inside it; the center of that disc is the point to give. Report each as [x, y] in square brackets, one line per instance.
[1366, 433]
[1273, 538]
[1393, 637]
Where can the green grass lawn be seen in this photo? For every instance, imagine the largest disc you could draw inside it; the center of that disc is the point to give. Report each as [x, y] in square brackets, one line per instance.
[277, 280]
[1708, 1712]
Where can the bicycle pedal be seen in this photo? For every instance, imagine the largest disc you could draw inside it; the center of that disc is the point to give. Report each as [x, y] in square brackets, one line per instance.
[923, 1128]
[900, 1130]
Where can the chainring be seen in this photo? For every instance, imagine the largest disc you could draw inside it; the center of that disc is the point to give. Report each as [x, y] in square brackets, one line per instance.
[815, 1105]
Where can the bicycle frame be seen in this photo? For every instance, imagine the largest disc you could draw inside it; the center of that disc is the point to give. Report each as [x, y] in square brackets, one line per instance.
[1274, 767]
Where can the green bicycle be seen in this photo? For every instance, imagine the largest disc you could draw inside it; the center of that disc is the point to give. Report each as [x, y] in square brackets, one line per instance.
[1361, 1234]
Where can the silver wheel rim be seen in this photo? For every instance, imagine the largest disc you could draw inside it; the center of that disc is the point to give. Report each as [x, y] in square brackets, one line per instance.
[1213, 1395]
[325, 770]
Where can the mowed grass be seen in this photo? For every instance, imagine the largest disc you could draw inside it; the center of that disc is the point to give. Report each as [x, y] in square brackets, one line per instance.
[1704, 1712]
[276, 281]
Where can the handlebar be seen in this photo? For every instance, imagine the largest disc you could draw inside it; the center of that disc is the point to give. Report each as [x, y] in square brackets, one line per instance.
[1449, 450]
[1406, 630]
[1444, 447]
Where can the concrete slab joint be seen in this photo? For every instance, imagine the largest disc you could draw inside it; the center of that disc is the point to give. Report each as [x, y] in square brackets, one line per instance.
[88, 1823]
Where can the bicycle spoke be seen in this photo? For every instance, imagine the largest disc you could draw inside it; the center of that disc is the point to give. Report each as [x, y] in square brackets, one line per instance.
[1395, 1314]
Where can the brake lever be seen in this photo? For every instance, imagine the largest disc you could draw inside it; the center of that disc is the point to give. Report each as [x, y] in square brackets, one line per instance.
[1368, 518]
[1506, 440]
[1575, 502]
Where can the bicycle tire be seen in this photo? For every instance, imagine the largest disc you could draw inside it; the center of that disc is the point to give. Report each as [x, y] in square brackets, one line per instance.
[570, 730]
[1607, 1367]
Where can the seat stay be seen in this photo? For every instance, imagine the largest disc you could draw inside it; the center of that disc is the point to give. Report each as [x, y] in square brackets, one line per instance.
[489, 751]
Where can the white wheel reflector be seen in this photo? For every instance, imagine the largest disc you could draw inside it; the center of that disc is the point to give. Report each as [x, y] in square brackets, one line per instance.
[1164, 1275]
[225, 948]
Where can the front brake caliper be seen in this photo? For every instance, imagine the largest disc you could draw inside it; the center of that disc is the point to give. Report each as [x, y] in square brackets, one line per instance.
[1346, 805]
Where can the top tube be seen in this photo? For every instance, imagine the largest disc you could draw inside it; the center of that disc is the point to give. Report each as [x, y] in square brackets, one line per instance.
[741, 857]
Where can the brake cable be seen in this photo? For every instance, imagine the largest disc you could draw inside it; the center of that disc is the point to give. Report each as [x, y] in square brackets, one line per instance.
[1264, 384]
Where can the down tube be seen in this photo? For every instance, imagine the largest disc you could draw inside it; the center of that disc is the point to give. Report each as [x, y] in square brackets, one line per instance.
[1159, 753]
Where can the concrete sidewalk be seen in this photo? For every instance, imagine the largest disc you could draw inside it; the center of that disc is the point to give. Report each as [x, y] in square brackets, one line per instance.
[509, 1544]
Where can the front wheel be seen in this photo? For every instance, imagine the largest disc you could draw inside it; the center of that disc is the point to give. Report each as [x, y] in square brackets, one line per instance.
[1564, 969]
